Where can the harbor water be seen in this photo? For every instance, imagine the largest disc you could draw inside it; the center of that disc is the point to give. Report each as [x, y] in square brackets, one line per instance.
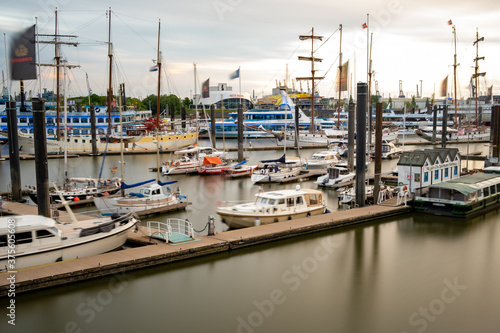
[412, 273]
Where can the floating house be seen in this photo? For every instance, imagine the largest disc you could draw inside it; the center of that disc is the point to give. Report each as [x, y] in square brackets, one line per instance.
[421, 168]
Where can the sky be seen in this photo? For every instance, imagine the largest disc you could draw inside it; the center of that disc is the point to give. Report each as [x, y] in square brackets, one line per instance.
[411, 42]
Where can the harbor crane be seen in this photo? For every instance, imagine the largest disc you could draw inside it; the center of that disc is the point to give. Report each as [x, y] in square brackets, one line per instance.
[401, 93]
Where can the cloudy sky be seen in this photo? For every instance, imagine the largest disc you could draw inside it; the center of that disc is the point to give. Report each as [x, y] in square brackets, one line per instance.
[412, 41]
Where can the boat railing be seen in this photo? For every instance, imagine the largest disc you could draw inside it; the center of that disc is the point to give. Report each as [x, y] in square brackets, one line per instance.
[384, 194]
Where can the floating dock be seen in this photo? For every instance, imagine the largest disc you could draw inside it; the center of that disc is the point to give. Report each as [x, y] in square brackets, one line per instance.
[159, 252]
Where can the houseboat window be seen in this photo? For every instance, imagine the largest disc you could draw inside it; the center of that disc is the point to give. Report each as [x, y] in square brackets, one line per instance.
[84, 120]
[3, 240]
[493, 189]
[50, 120]
[43, 234]
[436, 174]
[289, 202]
[426, 176]
[85, 132]
[23, 120]
[272, 202]
[76, 120]
[299, 201]
[100, 120]
[486, 191]
[281, 201]
[23, 237]
[116, 120]
[50, 131]
[30, 121]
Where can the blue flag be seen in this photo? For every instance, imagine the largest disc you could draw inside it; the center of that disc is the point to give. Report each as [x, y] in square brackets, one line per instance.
[235, 75]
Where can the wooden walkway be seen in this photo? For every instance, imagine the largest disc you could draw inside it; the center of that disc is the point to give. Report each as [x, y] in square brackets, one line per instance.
[54, 274]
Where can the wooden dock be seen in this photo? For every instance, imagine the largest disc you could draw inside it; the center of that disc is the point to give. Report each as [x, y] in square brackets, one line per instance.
[33, 278]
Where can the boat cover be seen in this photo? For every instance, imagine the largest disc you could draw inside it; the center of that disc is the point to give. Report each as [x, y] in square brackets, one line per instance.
[211, 160]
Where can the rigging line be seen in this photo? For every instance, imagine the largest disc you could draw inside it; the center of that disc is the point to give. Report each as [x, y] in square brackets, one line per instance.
[84, 25]
[153, 47]
[326, 40]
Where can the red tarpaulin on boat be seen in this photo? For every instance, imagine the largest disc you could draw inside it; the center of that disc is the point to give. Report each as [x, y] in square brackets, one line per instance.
[211, 160]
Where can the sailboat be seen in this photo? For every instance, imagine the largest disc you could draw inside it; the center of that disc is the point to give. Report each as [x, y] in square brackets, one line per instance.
[150, 197]
[77, 188]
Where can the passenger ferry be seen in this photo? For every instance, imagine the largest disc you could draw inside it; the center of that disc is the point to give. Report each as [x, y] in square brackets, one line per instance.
[462, 197]
[78, 123]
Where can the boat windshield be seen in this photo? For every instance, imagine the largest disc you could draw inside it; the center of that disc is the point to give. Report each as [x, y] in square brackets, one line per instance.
[318, 157]
[266, 201]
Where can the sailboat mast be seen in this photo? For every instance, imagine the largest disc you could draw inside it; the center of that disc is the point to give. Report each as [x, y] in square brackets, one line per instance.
[110, 87]
[158, 62]
[455, 73]
[340, 75]
[312, 83]
[58, 60]
[476, 69]
[65, 130]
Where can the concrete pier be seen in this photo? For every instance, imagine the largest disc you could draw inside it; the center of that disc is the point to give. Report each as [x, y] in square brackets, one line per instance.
[34, 278]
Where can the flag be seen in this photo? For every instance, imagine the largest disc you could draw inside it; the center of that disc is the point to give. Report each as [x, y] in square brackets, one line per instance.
[364, 25]
[343, 77]
[473, 87]
[154, 68]
[115, 169]
[444, 87]
[205, 89]
[450, 22]
[235, 75]
[23, 55]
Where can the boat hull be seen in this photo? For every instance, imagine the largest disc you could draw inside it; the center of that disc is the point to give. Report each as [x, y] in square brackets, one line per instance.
[243, 220]
[68, 249]
[108, 206]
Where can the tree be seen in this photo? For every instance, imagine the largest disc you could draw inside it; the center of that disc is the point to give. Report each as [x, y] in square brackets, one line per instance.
[187, 102]
[390, 102]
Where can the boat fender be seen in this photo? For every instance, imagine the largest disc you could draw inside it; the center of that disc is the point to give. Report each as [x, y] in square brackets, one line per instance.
[327, 211]
[308, 214]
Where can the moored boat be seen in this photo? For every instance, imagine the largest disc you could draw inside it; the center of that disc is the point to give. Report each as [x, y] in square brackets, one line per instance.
[274, 206]
[42, 240]
[461, 197]
[336, 177]
[149, 197]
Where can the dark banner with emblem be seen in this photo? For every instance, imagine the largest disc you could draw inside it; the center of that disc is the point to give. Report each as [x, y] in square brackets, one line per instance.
[23, 55]
[205, 89]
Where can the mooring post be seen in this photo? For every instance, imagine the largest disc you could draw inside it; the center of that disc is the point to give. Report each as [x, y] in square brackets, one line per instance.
[378, 151]
[240, 133]
[183, 117]
[41, 161]
[212, 125]
[434, 123]
[444, 127]
[361, 114]
[296, 126]
[93, 129]
[351, 129]
[15, 168]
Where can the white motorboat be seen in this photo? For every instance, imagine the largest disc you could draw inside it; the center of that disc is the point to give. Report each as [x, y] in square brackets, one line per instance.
[272, 173]
[274, 206]
[389, 150]
[149, 197]
[37, 240]
[336, 177]
[348, 196]
[190, 160]
[323, 160]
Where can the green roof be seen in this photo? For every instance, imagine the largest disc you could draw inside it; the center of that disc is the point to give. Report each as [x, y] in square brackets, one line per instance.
[467, 184]
[418, 157]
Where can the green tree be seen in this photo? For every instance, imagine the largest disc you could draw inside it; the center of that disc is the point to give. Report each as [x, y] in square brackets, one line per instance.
[187, 102]
[390, 102]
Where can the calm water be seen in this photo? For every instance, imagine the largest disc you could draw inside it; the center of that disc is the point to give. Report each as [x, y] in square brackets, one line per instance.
[409, 274]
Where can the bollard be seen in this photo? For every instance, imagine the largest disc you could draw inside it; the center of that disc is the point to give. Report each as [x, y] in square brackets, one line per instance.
[257, 222]
[211, 226]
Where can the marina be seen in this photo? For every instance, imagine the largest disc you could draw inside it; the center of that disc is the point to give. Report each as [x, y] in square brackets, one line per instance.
[265, 195]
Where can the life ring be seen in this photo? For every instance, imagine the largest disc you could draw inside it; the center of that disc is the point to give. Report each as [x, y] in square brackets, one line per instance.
[177, 163]
[405, 188]
[263, 171]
